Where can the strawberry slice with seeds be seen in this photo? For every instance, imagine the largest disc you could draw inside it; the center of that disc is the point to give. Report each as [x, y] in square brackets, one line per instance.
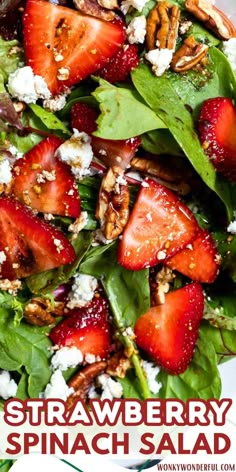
[199, 260]
[160, 225]
[87, 328]
[43, 182]
[29, 244]
[64, 46]
[217, 131]
[120, 66]
[168, 333]
[110, 152]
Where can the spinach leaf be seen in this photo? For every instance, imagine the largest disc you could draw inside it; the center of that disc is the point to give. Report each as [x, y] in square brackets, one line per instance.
[46, 282]
[160, 141]
[24, 143]
[202, 35]
[220, 304]
[224, 342]
[226, 245]
[200, 380]
[118, 108]
[46, 120]
[162, 98]
[5, 465]
[128, 293]
[77, 95]
[25, 346]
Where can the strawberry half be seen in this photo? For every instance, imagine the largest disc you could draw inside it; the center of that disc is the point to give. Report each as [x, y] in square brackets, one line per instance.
[43, 182]
[111, 152]
[87, 328]
[199, 261]
[217, 132]
[160, 225]
[120, 66]
[168, 333]
[30, 245]
[65, 46]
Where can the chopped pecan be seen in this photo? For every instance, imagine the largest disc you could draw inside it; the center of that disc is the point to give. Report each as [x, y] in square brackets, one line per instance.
[82, 381]
[188, 55]
[166, 171]
[94, 8]
[41, 312]
[162, 26]
[213, 18]
[113, 204]
[118, 365]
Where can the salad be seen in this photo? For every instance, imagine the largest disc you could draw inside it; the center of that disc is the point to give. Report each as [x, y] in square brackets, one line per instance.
[117, 176]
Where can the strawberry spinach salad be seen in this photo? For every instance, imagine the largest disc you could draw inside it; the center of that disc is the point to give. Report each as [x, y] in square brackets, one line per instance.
[117, 176]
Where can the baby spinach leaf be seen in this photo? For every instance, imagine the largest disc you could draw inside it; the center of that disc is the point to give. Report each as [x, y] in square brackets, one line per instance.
[160, 141]
[224, 342]
[123, 113]
[25, 346]
[128, 293]
[202, 35]
[200, 380]
[46, 282]
[11, 56]
[226, 244]
[5, 465]
[163, 99]
[46, 120]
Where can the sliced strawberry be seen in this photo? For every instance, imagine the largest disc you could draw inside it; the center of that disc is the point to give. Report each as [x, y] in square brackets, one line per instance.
[120, 66]
[111, 152]
[160, 225]
[168, 333]
[217, 131]
[43, 182]
[30, 245]
[87, 328]
[64, 46]
[199, 260]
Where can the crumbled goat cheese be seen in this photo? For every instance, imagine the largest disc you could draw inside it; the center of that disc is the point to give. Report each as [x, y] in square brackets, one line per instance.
[184, 27]
[11, 286]
[120, 180]
[14, 151]
[79, 223]
[110, 388]
[5, 172]
[77, 152]
[136, 30]
[99, 238]
[55, 104]
[26, 86]
[66, 357]
[137, 4]
[8, 386]
[57, 387]
[229, 49]
[48, 216]
[82, 291]
[93, 393]
[3, 257]
[151, 371]
[91, 358]
[232, 227]
[160, 60]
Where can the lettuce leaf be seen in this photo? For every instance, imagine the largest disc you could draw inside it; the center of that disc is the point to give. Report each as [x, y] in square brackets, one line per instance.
[11, 56]
[46, 121]
[123, 113]
[161, 96]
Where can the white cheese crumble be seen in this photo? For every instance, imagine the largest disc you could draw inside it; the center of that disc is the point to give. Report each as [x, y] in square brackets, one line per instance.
[66, 357]
[26, 86]
[5, 172]
[77, 152]
[136, 30]
[82, 291]
[110, 388]
[160, 60]
[79, 223]
[232, 227]
[8, 386]
[151, 371]
[14, 151]
[57, 387]
[229, 49]
[3, 257]
[137, 4]
[55, 103]
[99, 238]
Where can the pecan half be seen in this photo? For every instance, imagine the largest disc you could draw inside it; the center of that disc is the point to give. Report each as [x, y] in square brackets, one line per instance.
[41, 312]
[82, 381]
[188, 55]
[213, 18]
[118, 365]
[162, 26]
[94, 8]
[113, 204]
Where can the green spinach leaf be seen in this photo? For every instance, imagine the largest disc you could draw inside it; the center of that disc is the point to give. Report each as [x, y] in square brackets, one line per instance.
[46, 120]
